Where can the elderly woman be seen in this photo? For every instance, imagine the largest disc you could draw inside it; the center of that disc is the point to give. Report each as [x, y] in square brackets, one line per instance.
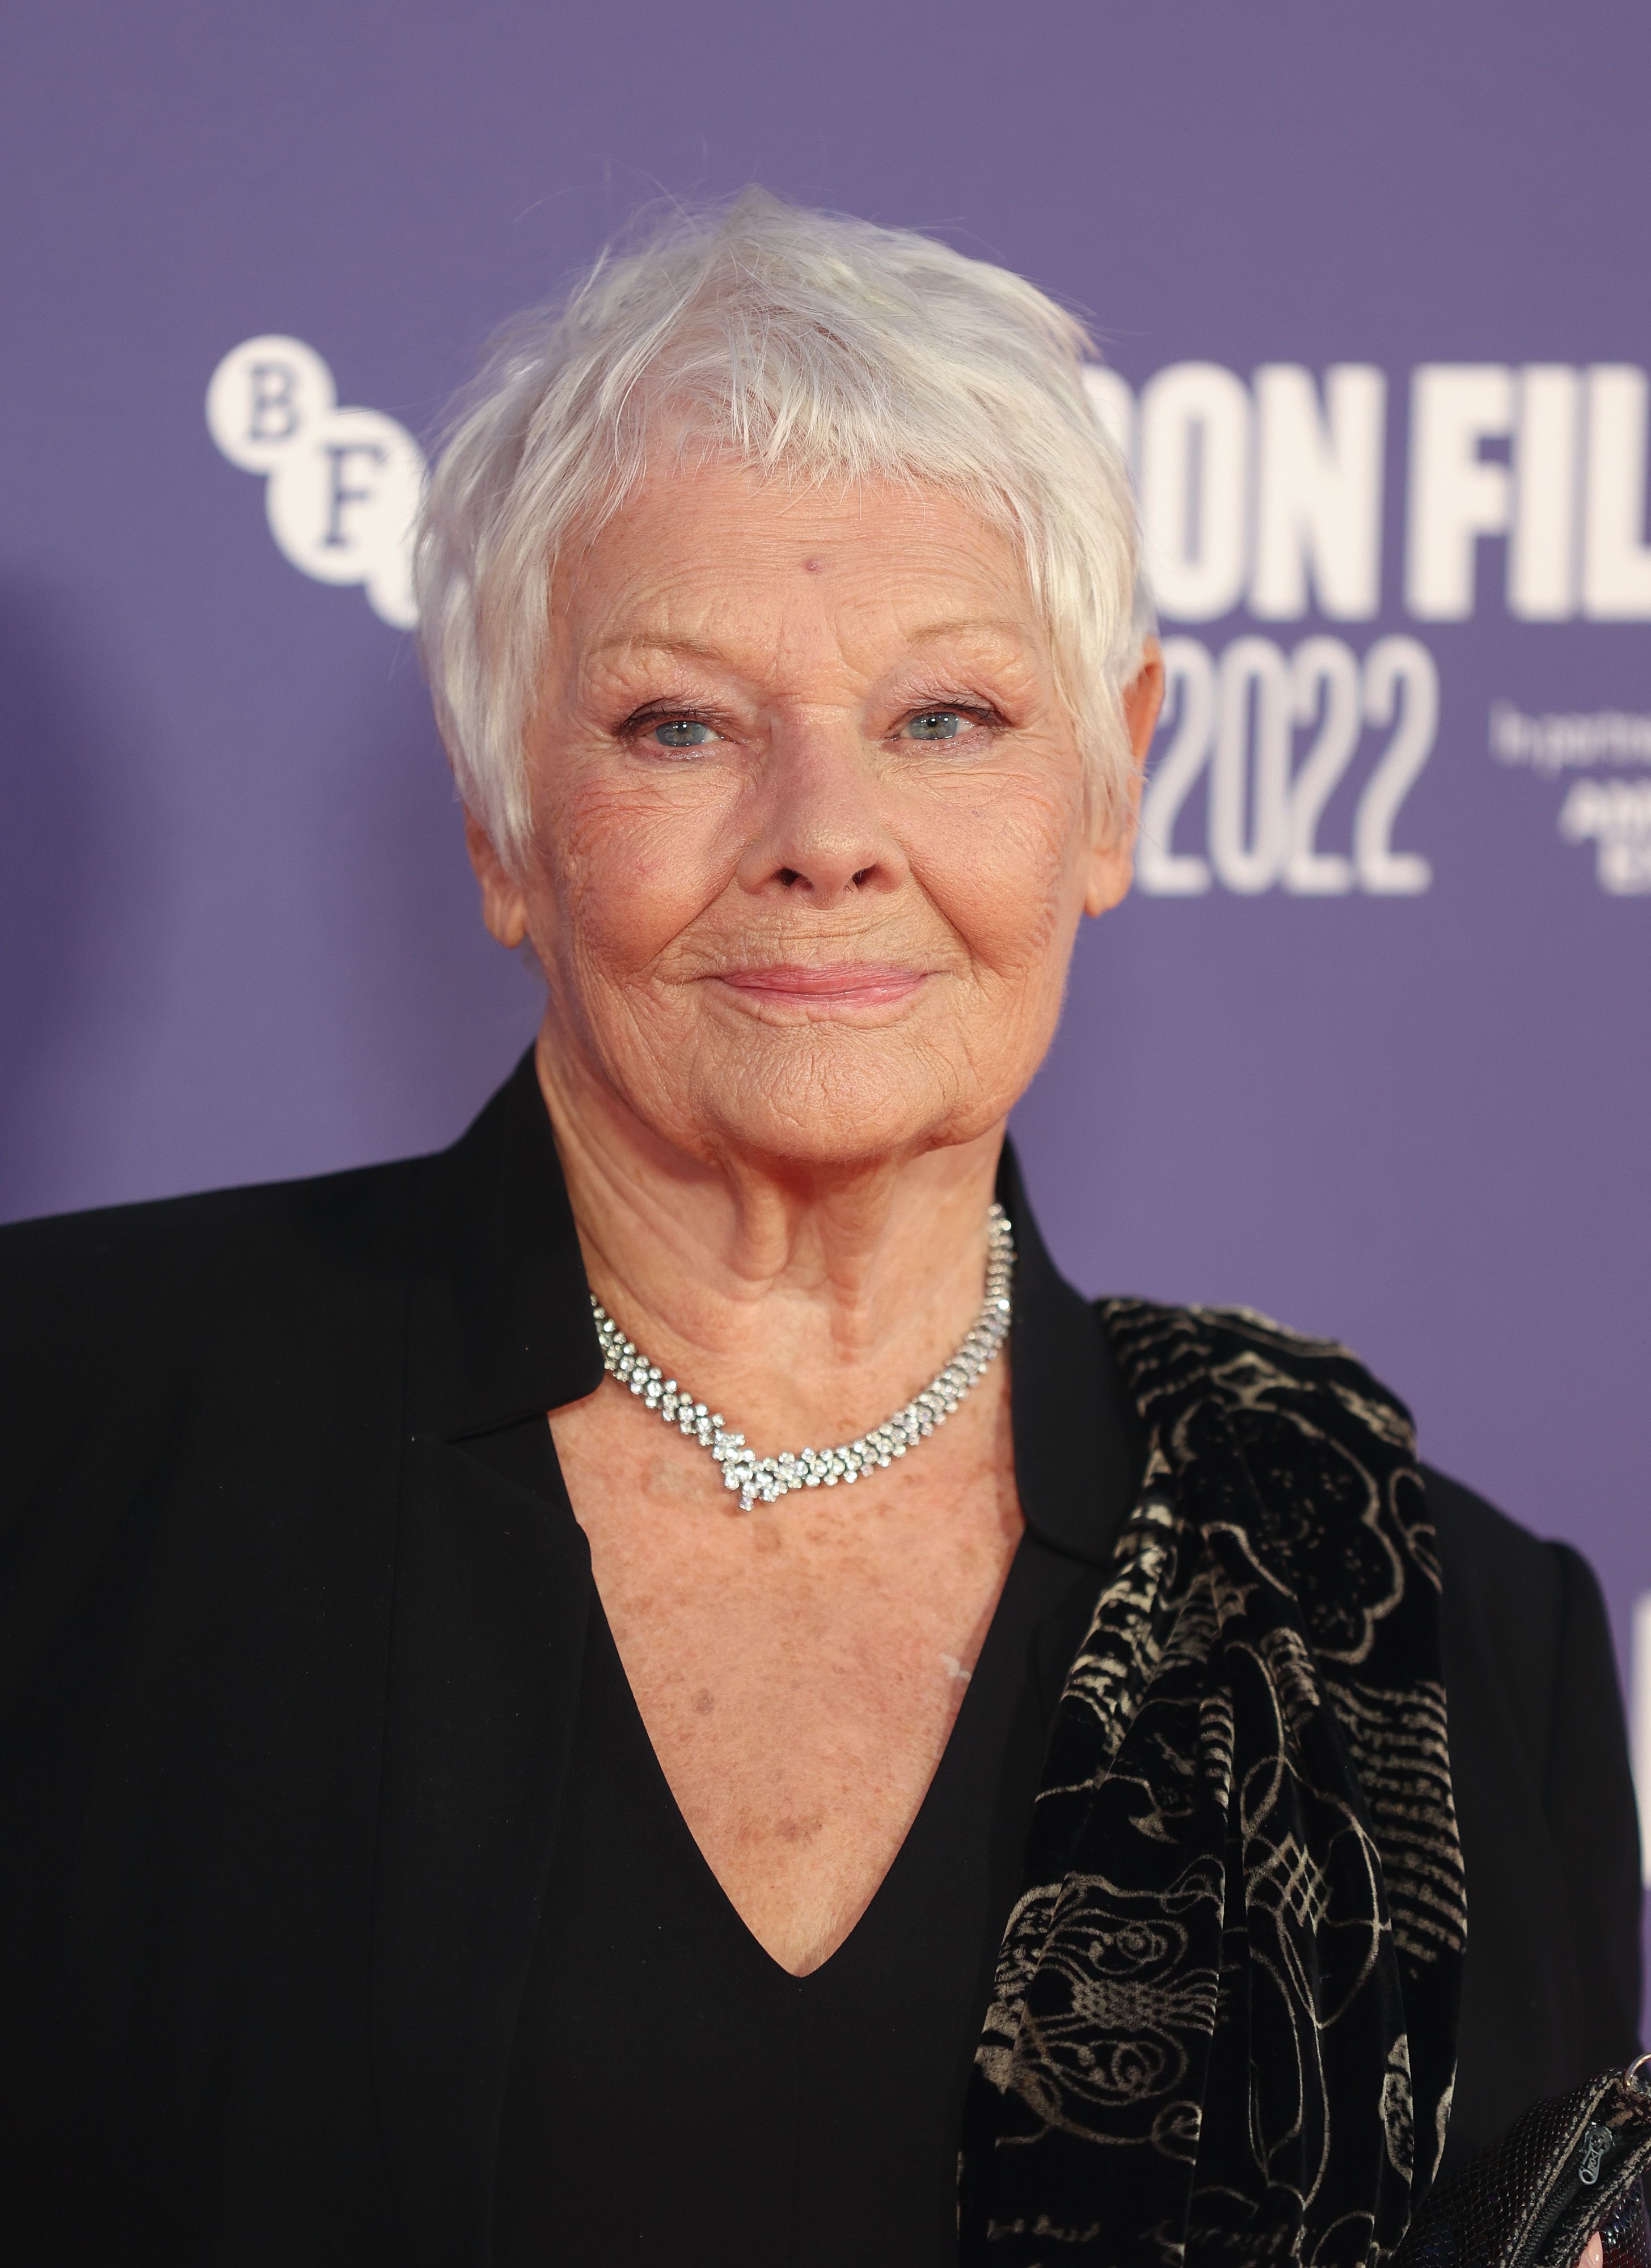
[658, 1687]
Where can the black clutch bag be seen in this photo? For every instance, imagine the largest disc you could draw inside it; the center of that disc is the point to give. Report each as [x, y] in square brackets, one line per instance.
[1567, 2167]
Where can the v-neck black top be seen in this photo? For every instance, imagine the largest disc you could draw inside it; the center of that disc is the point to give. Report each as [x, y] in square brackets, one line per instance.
[653, 2012]
[675, 2094]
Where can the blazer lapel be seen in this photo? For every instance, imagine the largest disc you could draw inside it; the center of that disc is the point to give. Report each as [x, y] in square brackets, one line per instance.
[492, 1591]
[1079, 1448]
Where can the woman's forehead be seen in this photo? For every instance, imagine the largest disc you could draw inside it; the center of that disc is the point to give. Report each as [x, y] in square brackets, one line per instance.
[696, 555]
[811, 518]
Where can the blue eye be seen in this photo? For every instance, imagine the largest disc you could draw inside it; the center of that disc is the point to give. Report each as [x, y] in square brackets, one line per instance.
[683, 732]
[936, 724]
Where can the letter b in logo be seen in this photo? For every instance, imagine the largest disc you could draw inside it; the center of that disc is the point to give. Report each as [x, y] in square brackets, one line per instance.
[265, 394]
[343, 484]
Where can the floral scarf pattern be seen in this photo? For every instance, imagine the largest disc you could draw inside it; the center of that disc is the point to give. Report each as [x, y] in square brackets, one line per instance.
[1223, 2022]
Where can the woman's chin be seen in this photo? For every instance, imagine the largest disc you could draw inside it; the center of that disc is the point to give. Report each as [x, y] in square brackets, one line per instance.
[829, 1095]
[844, 1114]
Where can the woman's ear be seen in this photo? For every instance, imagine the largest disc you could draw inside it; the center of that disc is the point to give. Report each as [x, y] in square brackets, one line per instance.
[1112, 860]
[504, 908]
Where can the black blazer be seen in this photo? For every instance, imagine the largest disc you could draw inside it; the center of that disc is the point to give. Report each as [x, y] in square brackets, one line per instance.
[288, 1658]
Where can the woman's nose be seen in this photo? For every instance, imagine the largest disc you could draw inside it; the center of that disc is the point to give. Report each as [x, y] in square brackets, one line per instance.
[822, 832]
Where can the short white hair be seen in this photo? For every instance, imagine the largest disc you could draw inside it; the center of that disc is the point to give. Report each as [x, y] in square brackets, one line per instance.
[808, 345]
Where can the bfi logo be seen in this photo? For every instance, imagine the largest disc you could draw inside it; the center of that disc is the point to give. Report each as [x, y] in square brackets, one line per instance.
[342, 486]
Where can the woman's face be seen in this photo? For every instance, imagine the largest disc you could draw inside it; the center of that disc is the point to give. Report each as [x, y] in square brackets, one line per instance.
[811, 833]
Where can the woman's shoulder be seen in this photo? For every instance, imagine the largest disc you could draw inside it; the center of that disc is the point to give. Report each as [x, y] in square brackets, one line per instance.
[76, 1274]
[178, 1380]
[1518, 1576]
[1526, 1620]
[1526, 1598]
[110, 1319]
[1538, 1743]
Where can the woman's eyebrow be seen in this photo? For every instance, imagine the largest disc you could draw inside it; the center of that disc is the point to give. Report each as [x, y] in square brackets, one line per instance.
[976, 626]
[647, 642]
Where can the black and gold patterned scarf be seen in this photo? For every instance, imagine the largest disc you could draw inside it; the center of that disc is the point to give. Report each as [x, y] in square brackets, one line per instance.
[1223, 2024]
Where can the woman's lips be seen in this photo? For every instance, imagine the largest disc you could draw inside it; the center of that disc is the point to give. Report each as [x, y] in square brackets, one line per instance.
[834, 984]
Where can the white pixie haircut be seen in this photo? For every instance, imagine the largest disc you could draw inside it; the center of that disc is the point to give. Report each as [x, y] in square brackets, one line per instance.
[814, 347]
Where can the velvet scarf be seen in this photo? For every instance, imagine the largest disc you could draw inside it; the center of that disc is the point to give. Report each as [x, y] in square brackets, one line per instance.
[1223, 2021]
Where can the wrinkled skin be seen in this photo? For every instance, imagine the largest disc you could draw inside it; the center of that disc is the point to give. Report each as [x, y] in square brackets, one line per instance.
[813, 827]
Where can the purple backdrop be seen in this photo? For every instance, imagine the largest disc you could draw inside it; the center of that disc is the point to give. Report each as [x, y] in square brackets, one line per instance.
[238, 931]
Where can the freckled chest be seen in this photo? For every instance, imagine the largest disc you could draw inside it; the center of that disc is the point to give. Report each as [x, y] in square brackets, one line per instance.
[798, 1668]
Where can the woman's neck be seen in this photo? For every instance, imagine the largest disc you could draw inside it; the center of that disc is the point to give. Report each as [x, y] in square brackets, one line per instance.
[809, 1301]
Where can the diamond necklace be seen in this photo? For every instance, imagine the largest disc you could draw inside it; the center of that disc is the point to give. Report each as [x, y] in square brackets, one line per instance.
[765, 1479]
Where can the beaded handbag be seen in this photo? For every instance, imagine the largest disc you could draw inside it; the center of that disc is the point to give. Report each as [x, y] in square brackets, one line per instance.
[1567, 2167]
